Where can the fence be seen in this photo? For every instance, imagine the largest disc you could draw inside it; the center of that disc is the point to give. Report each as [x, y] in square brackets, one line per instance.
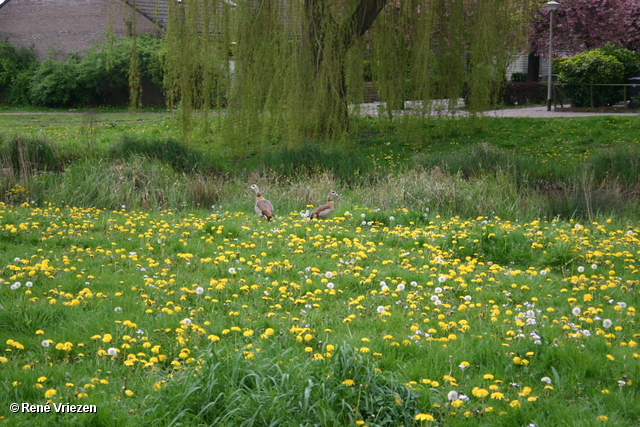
[596, 95]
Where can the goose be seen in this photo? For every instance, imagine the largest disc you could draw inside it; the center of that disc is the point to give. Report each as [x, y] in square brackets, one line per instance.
[263, 207]
[325, 211]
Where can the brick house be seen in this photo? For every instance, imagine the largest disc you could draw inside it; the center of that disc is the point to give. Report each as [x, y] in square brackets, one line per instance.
[56, 28]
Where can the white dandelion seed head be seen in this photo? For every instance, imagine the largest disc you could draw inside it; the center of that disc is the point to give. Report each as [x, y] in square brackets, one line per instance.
[380, 309]
[328, 274]
[383, 283]
[391, 218]
[330, 285]
[467, 297]
[434, 298]
[576, 311]
[438, 290]
[442, 279]
[437, 302]
[362, 215]
[581, 269]
[594, 266]
[111, 351]
[452, 395]
[118, 309]
[606, 323]
[15, 286]
[385, 288]
[414, 284]
[45, 343]
[400, 287]
[622, 304]
[543, 272]
[28, 284]
[16, 259]
[232, 270]
[630, 233]
[199, 290]
[186, 321]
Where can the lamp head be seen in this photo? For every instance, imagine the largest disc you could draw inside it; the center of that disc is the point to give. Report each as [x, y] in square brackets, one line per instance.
[552, 5]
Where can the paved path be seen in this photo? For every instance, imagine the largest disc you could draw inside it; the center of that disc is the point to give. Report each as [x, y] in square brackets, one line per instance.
[542, 112]
[441, 108]
[375, 108]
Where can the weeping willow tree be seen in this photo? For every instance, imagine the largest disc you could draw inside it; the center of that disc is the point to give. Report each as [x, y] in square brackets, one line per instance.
[291, 69]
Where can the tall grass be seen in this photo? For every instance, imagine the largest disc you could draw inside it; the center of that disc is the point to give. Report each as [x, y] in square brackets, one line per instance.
[480, 180]
[23, 156]
[166, 150]
[277, 387]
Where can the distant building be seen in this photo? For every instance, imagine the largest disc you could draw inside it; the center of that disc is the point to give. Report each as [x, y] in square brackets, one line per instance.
[55, 28]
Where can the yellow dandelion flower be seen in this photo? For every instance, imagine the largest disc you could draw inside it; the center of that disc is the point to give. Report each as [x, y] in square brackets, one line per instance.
[457, 403]
[50, 393]
[424, 417]
[348, 382]
[479, 392]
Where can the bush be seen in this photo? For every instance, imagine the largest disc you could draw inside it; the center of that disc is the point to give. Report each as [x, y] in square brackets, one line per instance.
[519, 77]
[592, 67]
[518, 93]
[98, 78]
[12, 62]
[629, 59]
[55, 84]
[15, 65]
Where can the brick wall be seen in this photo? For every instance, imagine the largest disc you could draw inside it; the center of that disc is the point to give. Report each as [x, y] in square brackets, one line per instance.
[60, 27]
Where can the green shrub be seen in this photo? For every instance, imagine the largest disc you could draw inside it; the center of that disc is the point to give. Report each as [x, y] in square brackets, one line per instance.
[55, 84]
[628, 58]
[16, 68]
[13, 62]
[518, 93]
[92, 79]
[592, 67]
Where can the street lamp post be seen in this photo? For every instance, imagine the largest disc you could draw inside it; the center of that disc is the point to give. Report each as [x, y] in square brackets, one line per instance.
[550, 6]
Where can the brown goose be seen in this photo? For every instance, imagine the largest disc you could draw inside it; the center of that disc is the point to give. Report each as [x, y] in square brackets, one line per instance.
[325, 211]
[263, 207]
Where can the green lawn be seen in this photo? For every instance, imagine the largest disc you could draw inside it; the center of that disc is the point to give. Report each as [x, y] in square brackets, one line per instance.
[143, 283]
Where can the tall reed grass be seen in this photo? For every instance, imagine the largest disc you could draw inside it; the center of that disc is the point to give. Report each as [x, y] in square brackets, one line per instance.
[144, 173]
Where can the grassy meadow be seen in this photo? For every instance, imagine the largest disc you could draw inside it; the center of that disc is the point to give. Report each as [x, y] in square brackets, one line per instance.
[476, 272]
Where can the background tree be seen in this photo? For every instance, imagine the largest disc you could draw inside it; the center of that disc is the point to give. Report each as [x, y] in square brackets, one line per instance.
[581, 25]
[287, 69]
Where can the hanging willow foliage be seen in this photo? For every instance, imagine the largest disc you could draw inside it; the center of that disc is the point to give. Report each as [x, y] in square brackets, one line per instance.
[289, 69]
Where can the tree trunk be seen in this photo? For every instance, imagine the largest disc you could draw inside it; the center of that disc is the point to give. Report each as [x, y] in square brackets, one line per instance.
[329, 43]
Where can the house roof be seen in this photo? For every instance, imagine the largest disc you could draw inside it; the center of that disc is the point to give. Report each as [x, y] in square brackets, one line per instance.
[155, 10]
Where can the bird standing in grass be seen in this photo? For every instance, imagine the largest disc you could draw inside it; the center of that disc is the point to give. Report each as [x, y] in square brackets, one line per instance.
[263, 207]
[325, 211]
